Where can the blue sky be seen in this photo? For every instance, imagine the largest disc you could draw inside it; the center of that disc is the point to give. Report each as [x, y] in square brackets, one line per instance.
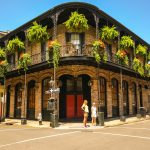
[134, 14]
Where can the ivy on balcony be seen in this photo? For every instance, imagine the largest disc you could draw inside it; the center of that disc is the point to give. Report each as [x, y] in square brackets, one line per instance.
[99, 53]
[15, 45]
[37, 33]
[24, 61]
[2, 54]
[141, 49]
[108, 33]
[126, 42]
[122, 57]
[77, 22]
[138, 66]
[54, 47]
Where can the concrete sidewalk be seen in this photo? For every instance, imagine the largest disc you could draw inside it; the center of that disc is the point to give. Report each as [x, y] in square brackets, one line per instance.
[71, 125]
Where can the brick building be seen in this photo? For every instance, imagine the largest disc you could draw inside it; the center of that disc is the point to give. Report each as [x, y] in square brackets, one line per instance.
[118, 89]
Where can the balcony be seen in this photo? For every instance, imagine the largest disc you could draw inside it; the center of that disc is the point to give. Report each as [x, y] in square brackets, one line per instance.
[67, 51]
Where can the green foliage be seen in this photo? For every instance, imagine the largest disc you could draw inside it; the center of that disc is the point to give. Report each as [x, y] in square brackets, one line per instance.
[54, 46]
[14, 45]
[141, 49]
[108, 33]
[77, 22]
[148, 56]
[137, 66]
[98, 48]
[37, 33]
[147, 67]
[4, 66]
[2, 54]
[122, 57]
[126, 42]
[24, 61]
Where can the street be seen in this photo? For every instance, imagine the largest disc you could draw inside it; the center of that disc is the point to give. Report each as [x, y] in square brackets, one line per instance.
[134, 136]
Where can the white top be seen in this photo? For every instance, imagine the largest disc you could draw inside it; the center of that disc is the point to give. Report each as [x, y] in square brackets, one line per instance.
[86, 109]
[93, 111]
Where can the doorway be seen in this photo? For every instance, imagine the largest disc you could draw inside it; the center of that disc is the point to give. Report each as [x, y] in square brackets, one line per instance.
[31, 100]
[8, 102]
[18, 101]
[72, 93]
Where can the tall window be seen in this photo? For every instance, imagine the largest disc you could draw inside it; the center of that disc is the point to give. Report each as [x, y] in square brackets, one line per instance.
[11, 60]
[102, 92]
[18, 96]
[31, 95]
[45, 96]
[134, 99]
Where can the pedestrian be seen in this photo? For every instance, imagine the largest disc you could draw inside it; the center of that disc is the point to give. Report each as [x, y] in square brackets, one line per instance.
[93, 113]
[85, 109]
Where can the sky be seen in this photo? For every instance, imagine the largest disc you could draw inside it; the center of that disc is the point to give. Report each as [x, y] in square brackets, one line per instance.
[134, 14]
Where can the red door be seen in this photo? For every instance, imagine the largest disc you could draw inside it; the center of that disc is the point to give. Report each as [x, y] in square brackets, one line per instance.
[70, 106]
[79, 104]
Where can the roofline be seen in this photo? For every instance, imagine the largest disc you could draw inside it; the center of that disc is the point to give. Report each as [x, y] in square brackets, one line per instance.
[55, 8]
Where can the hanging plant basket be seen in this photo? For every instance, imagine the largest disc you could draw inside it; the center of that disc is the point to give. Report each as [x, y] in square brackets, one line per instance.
[15, 45]
[77, 22]
[2, 54]
[126, 42]
[141, 49]
[54, 47]
[147, 67]
[37, 33]
[108, 33]
[24, 61]
[137, 66]
[98, 48]
[122, 57]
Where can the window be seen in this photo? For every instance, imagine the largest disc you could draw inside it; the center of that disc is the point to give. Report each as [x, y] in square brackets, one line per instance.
[77, 40]
[11, 59]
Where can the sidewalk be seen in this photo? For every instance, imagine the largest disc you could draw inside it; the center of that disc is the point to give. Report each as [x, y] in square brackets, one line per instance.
[70, 125]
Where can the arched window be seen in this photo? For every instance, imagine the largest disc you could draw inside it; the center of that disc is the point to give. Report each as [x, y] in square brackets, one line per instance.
[45, 98]
[134, 98]
[125, 98]
[18, 100]
[115, 100]
[103, 101]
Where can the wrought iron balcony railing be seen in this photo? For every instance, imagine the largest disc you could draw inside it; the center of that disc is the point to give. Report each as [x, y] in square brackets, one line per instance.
[66, 51]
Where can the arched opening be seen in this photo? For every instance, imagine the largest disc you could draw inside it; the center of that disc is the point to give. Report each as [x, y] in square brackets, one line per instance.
[134, 99]
[45, 98]
[103, 97]
[115, 98]
[18, 100]
[140, 93]
[31, 100]
[125, 98]
[72, 93]
[8, 101]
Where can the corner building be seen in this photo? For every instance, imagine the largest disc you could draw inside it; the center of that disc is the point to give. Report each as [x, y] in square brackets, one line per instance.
[78, 75]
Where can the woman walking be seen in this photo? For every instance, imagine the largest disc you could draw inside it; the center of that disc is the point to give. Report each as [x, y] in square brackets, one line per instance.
[86, 111]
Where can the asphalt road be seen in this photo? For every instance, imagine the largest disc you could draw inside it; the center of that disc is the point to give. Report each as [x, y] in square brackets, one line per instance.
[135, 136]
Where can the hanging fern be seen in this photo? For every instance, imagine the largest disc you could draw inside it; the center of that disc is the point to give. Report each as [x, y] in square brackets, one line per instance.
[24, 62]
[98, 48]
[2, 54]
[137, 66]
[77, 22]
[54, 46]
[4, 67]
[122, 57]
[108, 33]
[14, 45]
[37, 33]
[148, 56]
[147, 67]
[141, 49]
[126, 42]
